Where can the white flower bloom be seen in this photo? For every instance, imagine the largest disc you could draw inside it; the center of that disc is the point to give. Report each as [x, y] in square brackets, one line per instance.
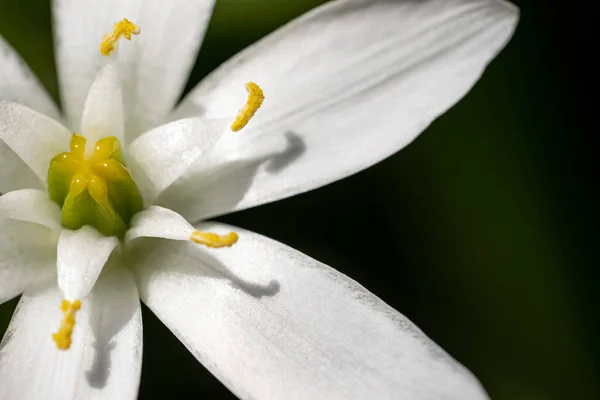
[346, 85]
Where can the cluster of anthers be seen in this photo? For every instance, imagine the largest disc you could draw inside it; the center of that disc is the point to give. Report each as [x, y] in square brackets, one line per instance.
[99, 191]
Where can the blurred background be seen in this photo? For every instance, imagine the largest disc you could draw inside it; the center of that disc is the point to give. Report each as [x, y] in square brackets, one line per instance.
[489, 219]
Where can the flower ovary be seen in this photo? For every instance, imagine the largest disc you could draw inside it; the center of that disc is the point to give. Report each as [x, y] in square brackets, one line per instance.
[98, 191]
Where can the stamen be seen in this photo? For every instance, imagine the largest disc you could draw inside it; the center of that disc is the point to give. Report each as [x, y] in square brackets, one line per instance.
[255, 100]
[213, 240]
[62, 338]
[122, 28]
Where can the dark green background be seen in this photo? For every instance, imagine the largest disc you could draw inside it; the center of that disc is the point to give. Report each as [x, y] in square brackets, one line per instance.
[489, 227]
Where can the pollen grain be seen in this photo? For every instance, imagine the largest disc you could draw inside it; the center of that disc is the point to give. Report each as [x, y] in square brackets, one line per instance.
[255, 100]
[62, 338]
[213, 240]
[124, 28]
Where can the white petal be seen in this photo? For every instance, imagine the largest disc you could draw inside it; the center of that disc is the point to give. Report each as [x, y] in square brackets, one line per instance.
[31, 205]
[103, 111]
[104, 360]
[15, 174]
[346, 85]
[155, 64]
[157, 158]
[272, 323]
[32, 136]
[18, 84]
[81, 255]
[161, 223]
[27, 253]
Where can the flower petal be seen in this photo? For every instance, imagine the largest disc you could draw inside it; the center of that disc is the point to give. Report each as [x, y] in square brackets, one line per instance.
[155, 65]
[346, 85]
[32, 136]
[81, 255]
[30, 205]
[27, 253]
[18, 84]
[15, 174]
[269, 321]
[161, 223]
[104, 361]
[103, 111]
[157, 158]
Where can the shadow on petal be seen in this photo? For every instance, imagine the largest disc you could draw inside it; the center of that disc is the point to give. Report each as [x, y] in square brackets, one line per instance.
[253, 289]
[192, 260]
[295, 148]
[112, 308]
[216, 190]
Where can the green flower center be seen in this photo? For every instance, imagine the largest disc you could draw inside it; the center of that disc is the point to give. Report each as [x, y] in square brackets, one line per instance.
[97, 191]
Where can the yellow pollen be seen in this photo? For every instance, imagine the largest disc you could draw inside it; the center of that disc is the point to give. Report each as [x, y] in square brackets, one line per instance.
[213, 240]
[122, 28]
[255, 100]
[62, 338]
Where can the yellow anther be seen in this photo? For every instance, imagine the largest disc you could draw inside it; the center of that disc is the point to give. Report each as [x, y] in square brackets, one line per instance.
[210, 239]
[255, 100]
[122, 28]
[62, 338]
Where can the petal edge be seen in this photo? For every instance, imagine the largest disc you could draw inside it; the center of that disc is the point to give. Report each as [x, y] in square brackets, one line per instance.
[270, 322]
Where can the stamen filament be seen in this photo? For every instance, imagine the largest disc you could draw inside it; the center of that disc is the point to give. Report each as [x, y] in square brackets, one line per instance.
[255, 100]
[213, 240]
[62, 338]
[122, 28]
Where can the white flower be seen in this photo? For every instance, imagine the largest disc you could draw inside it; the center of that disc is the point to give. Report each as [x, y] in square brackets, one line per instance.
[346, 85]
